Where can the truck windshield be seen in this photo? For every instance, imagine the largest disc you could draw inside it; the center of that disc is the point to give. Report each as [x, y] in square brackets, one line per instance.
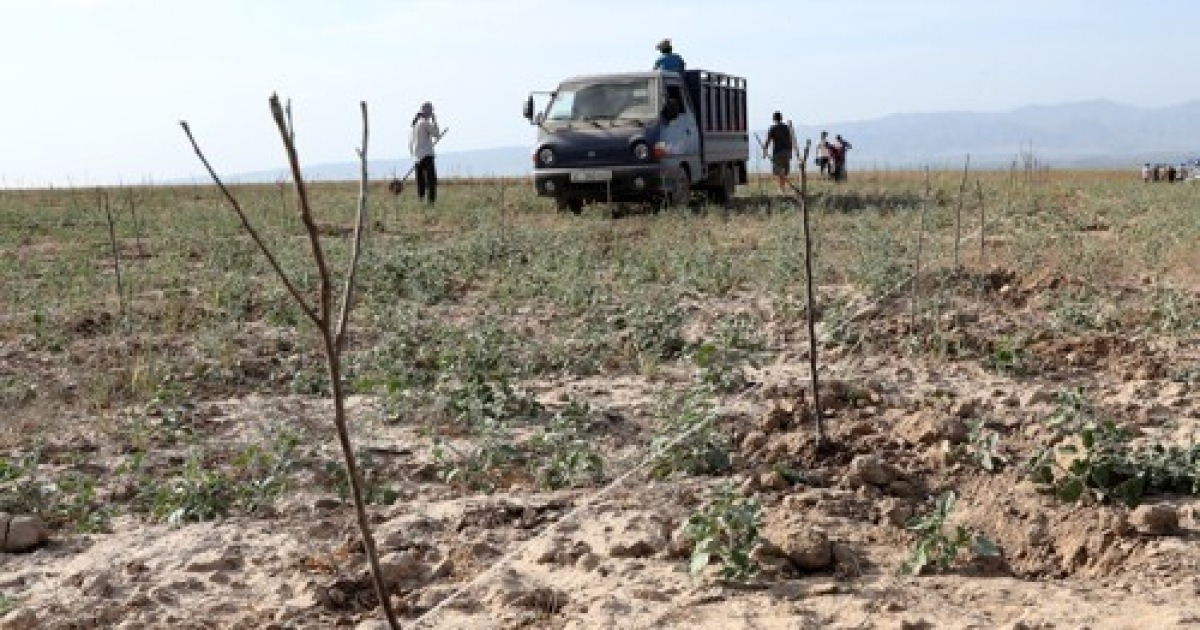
[607, 100]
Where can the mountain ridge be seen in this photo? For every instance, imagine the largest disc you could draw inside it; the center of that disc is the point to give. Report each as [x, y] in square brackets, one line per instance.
[1097, 133]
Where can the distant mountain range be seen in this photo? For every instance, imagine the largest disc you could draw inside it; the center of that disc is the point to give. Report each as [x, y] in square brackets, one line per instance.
[1087, 134]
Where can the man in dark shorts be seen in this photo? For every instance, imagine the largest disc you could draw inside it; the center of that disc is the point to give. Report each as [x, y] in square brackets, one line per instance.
[779, 146]
[822, 160]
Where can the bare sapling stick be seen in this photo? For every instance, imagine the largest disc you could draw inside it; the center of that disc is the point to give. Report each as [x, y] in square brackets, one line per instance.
[503, 213]
[982, 223]
[762, 194]
[116, 256]
[332, 334]
[957, 276]
[962, 191]
[137, 225]
[800, 159]
[916, 281]
[333, 338]
[811, 307]
[982, 242]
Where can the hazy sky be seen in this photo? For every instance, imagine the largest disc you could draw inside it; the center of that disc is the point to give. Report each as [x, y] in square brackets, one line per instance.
[95, 88]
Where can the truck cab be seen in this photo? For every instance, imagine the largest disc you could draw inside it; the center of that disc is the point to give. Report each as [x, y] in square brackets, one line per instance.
[651, 137]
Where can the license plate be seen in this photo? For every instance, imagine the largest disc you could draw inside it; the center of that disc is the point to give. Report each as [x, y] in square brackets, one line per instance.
[591, 176]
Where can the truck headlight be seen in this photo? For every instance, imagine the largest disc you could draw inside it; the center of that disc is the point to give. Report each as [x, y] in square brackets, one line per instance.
[641, 151]
[546, 156]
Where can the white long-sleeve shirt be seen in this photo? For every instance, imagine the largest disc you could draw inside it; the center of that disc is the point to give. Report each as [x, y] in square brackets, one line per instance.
[420, 142]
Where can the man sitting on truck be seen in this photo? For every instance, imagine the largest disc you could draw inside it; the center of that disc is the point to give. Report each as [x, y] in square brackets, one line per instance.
[668, 61]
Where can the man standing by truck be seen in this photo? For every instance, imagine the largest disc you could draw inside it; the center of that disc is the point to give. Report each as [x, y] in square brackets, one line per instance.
[779, 144]
[668, 61]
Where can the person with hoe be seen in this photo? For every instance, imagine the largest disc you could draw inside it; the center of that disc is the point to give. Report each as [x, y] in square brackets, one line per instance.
[823, 154]
[423, 136]
[669, 61]
[779, 144]
[837, 156]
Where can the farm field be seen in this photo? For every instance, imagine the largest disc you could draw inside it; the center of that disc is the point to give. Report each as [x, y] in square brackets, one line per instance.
[585, 422]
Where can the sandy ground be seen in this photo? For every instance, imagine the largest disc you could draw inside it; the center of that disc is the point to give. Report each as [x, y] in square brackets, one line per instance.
[520, 558]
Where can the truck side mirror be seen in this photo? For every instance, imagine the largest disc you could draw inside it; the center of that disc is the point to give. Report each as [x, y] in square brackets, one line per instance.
[670, 110]
[529, 109]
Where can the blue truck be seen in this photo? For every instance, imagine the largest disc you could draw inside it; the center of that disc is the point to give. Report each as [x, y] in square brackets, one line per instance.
[641, 137]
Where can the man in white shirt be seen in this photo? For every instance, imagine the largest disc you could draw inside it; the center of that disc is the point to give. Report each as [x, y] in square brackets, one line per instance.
[420, 144]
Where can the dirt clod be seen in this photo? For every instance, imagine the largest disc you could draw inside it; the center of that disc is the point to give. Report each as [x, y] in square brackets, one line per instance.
[869, 469]
[807, 548]
[24, 533]
[1155, 519]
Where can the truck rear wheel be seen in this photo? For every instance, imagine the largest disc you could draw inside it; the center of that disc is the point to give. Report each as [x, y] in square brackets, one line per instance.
[723, 192]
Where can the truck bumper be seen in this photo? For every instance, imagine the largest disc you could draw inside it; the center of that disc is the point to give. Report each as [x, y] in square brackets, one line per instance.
[618, 183]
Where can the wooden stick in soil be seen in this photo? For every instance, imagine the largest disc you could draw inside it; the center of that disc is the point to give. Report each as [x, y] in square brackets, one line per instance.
[116, 256]
[332, 339]
[962, 190]
[956, 279]
[982, 223]
[762, 194]
[137, 225]
[810, 308]
[916, 286]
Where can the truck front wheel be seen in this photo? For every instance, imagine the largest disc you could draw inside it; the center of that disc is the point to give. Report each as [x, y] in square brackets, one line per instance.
[574, 205]
[683, 188]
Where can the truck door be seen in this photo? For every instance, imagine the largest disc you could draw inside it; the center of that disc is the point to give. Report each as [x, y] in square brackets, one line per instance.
[681, 135]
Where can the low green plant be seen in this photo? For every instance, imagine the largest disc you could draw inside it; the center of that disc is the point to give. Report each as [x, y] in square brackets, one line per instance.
[654, 330]
[210, 486]
[1073, 410]
[722, 362]
[1076, 312]
[489, 457]
[687, 439]
[261, 473]
[562, 452]
[935, 549]
[1173, 312]
[983, 446]
[1102, 465]
[7, 604]
[1009, 356]
[19, 487]
[726, 529]
[376, 489]
[193, 495]
[76, 505]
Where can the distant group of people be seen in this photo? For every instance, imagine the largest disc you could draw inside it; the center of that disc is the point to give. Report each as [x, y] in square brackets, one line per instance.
[1167, 172]
[831, 156]
[780, 144]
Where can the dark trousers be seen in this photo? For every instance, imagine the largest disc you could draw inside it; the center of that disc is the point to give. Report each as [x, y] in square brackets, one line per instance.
[427, 179]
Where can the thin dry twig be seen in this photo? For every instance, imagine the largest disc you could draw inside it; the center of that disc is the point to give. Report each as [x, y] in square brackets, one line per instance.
[802, 197]
[332, 341]
[916, 283]
[355, 252]
[324, 291]
[962, 191]
[116, 256]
